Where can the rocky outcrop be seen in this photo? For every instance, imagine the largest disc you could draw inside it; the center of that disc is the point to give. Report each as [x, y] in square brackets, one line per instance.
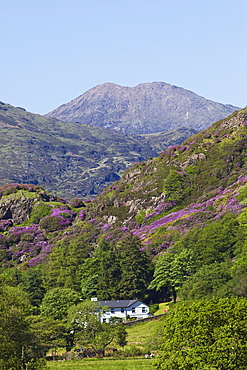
[16, 209]
[193, 159]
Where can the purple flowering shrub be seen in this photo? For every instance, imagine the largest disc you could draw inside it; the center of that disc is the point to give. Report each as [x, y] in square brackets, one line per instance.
[77, 203]
[52, 223]
[82, 215]
[59, 219]
[44, 250]
[156, 233]
[182, 148]
[5, 224]
[21, 244]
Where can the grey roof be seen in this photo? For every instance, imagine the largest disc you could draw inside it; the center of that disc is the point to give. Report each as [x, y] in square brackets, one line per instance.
[118, 303]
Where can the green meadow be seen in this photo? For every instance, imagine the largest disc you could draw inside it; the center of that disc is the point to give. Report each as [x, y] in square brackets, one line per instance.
[102, 364]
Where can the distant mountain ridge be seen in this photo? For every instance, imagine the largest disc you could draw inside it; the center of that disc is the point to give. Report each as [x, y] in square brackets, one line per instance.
[143, 109]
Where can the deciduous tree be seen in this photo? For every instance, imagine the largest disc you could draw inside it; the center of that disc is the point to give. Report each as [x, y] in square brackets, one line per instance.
[209, 334]
[172, 270]
[87, 327]
[19, 346]
[57, 301]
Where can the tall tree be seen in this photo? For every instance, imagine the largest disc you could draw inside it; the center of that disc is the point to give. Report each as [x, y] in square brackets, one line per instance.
[32, 283]
[171, 270]
[90, 273]
[19, 346]
[136, 269]
[84, 321]
[57, 301]
[67, 256]
[109, 271]
[51, 333]
[216, 242]
[209, 281]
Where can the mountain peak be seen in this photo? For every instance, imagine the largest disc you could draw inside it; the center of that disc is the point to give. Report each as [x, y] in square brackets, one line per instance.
[146, 108]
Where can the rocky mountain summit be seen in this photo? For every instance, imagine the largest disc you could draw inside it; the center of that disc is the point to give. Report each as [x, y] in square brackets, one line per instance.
[143, 109]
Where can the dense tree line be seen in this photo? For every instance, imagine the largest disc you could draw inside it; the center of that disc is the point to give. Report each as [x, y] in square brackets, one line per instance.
[120, 271]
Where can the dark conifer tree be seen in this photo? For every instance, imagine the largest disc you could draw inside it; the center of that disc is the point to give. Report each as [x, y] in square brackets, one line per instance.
[136, 269]
[109, 271]
[33, 285]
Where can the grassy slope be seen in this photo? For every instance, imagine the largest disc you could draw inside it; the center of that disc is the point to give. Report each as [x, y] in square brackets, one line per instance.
[145, 335]
[103, 364]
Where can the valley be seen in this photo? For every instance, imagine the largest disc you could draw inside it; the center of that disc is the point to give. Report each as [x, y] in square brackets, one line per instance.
[171, 228]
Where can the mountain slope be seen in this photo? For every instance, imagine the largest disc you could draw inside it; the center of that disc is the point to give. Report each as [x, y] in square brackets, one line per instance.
[143, 109]
[162, 140]
[187, 185]
[68, 159]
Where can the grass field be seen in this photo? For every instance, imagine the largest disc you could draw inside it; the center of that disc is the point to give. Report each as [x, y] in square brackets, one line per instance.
[145, 335]
[103, 364]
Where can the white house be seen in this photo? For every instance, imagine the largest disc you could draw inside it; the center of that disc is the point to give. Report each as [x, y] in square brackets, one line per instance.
[127, 308]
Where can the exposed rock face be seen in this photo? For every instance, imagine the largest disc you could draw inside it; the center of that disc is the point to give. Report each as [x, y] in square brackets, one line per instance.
[16, 209]
[146, 108]
[193, 159]
[17, 202]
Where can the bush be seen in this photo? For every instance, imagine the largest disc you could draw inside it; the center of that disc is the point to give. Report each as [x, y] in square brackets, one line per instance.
[77, 203]
[40, 212]
[153, 308]
[133, 351]
[50, 223]
[208, 334]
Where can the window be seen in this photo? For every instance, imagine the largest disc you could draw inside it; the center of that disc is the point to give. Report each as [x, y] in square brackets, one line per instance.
[112, 310]
[122, 310]
[133, 310]
[143, 309]
[104, 320]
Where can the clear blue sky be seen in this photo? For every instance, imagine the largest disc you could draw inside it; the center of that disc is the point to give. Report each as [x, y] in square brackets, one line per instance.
[54, 50]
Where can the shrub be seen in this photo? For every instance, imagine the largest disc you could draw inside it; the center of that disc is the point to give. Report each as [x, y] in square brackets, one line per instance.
[39, 212]
[77, 203]
[50, 223]
[153, 308]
